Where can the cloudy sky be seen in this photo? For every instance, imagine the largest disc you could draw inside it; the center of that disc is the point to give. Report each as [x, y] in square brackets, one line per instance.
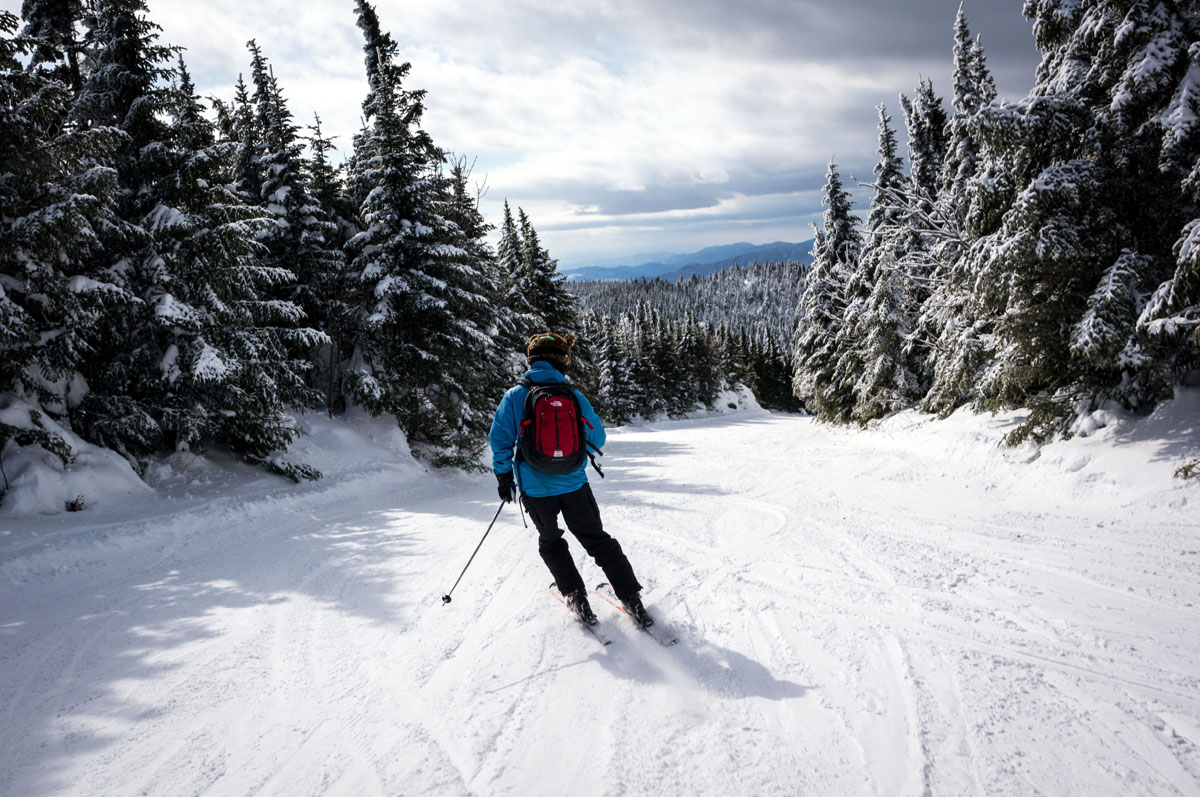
[623, 126]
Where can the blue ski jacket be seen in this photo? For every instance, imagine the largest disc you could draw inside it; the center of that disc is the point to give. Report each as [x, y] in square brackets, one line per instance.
[506, 432]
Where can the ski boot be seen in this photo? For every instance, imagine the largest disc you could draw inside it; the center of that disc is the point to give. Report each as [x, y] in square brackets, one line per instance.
[635, 609]
[577, 602]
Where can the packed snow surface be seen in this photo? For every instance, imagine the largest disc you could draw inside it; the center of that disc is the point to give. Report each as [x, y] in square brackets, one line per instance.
[907, 610]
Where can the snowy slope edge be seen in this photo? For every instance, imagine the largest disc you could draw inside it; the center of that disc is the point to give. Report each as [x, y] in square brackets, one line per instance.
[185, 495]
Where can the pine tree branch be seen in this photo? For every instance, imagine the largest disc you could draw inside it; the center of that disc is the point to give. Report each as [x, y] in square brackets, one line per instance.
[914, 202]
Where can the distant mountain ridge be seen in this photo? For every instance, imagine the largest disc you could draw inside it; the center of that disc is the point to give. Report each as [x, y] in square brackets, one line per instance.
[706, 261]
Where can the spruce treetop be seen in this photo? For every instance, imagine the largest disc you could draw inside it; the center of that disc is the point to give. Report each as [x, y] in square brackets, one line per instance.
[889, 176]
[384, 75]
[840, 239]
[51, 25]
[973, 83]
[925, 120]
[125, 88]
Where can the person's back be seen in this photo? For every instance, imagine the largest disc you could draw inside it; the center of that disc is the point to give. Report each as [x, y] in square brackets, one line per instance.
[506, 433]
[547, 494]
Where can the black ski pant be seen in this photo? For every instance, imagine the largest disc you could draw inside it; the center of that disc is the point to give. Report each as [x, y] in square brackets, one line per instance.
[582, 516]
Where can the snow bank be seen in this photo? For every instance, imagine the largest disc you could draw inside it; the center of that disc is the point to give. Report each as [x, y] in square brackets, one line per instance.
[352, 442]
[40, 484]
[344, 448]
[102, 482]
[739, 400]
[187, 496]
[728, 402]
[1112, 449]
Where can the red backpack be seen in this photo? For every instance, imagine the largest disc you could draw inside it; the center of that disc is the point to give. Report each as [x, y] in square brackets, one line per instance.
[553, 437]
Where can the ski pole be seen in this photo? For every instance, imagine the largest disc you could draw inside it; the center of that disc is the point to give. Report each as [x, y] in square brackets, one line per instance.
[446, 597]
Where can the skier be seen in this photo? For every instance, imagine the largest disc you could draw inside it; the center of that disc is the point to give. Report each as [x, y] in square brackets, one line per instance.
[544, 492]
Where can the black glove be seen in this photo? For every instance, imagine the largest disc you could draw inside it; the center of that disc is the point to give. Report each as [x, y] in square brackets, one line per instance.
[507, 486]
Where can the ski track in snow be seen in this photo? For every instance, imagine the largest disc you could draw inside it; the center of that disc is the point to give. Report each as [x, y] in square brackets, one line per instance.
[857, 615]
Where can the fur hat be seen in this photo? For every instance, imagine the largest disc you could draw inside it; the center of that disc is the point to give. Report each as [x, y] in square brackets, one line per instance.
[550, 346]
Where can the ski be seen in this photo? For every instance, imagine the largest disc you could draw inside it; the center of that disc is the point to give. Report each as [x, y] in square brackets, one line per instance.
[654, 631]
[591, 629]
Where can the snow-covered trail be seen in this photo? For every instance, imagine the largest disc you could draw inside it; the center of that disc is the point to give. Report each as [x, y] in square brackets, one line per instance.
[902, 611]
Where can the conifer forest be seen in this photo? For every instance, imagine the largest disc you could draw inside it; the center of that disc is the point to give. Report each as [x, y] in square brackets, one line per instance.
[177, 272]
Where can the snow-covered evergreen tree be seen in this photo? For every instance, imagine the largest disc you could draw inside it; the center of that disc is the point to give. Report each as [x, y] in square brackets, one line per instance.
[123, 92]
[1040, 268]
[1095, 229]
[303, 239]
[326, 181]
[56, 203]
[925, 121]
[773, 375]
[478, 281]
[861, 276]
[585, 368]
[612, 363]
[822, 308]
[517, 287]
[677, 393]
[333, 289]
[648, 387]
[203, 354]
[928, 235]
[618, 378]
[959, 342]
[884, 379]
[52, 27]
[974, 88]
[1157, 101]
[239, 125]
[701, 368]
[425, 324]
[1174, 307]
[554, 305]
